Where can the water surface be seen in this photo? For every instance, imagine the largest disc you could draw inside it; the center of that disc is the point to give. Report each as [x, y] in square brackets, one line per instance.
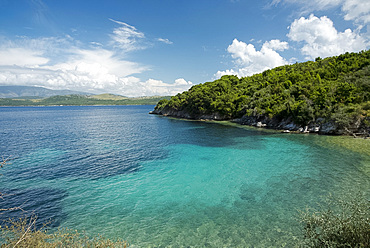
[157, 181]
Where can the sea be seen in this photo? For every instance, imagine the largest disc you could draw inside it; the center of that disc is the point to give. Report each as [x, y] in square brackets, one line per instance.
[156, 181]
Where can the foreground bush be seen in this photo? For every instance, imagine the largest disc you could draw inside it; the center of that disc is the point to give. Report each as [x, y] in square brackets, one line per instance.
[23, 233]
[339, 223]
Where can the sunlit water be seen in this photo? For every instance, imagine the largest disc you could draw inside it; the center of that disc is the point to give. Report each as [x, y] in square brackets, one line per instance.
[157, 181]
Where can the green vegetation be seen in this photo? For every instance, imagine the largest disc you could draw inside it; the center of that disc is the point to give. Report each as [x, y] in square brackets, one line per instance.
[78, 100]
[335, 88]
[108, 97]
[341, 223]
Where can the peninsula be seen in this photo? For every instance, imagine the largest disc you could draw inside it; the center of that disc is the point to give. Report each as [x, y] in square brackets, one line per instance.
[327, 96]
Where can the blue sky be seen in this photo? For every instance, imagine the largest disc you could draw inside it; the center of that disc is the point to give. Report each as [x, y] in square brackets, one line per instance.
[148, 47]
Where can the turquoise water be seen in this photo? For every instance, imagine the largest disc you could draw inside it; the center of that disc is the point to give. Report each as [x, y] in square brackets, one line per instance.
[160, 182]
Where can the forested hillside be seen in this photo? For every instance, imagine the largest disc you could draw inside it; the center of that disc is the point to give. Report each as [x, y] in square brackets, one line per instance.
[334, 90]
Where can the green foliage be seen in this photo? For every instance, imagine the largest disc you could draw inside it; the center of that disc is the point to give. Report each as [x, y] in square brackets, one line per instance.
[303, 91]
[23, 233]
[340, 223]
[161, 104]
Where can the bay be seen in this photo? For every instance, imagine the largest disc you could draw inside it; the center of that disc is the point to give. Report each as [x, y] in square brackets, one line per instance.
[158, 182]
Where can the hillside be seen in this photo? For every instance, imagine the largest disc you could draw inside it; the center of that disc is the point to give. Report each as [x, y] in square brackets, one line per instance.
[330, 95]
[107, 96]
[33, 92]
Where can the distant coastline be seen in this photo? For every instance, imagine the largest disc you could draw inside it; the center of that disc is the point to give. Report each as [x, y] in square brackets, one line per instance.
[81, 100]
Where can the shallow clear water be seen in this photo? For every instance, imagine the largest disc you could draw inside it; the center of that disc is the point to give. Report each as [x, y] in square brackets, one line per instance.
[157, 181]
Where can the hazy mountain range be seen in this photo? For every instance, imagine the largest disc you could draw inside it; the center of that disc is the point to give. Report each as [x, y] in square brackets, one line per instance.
[34, 92]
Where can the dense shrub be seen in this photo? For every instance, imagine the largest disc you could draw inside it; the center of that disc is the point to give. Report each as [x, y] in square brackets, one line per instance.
[338, 223]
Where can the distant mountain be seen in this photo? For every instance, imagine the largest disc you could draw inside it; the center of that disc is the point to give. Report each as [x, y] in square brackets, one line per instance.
[35, 92]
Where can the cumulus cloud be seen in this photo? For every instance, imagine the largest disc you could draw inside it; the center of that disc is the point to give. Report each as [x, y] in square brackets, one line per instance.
[276, 45]
[250, 61]
[158, 87]
[314, 36]
[94, 71]
[219, 74]
[321, 39]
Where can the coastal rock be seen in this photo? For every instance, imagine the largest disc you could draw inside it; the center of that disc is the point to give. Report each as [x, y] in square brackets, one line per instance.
[186, 115]
[320, 126]
[291, 127]
[328, 128]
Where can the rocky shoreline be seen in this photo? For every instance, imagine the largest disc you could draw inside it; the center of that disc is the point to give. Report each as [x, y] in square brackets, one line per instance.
[320, 126]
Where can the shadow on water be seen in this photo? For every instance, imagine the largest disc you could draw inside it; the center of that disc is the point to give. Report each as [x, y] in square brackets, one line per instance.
[43, 202]
[209, 134]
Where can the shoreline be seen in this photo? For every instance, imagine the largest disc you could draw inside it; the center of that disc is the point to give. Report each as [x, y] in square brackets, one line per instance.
[282, 126]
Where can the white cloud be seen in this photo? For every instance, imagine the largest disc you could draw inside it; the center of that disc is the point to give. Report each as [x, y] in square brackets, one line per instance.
[249, 61]
[357, 10]
[219, 74]
[353, 10]
[127, 37]
[98, 62]
[321, 39]
[276, 45]
[45, 62]
[62, 63]
[158, 87]
[96, 44]
[166, 41]
[22, 57]
[310, 5]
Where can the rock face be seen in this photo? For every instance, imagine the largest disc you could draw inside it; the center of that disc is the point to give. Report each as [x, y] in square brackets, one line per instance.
[320, 126]
[171, 112]
[186, 115]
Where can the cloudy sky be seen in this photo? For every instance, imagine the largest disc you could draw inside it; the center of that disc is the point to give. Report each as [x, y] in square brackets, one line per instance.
[148, 47]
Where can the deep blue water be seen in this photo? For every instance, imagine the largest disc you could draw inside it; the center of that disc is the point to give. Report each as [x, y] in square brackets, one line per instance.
[157, 181]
